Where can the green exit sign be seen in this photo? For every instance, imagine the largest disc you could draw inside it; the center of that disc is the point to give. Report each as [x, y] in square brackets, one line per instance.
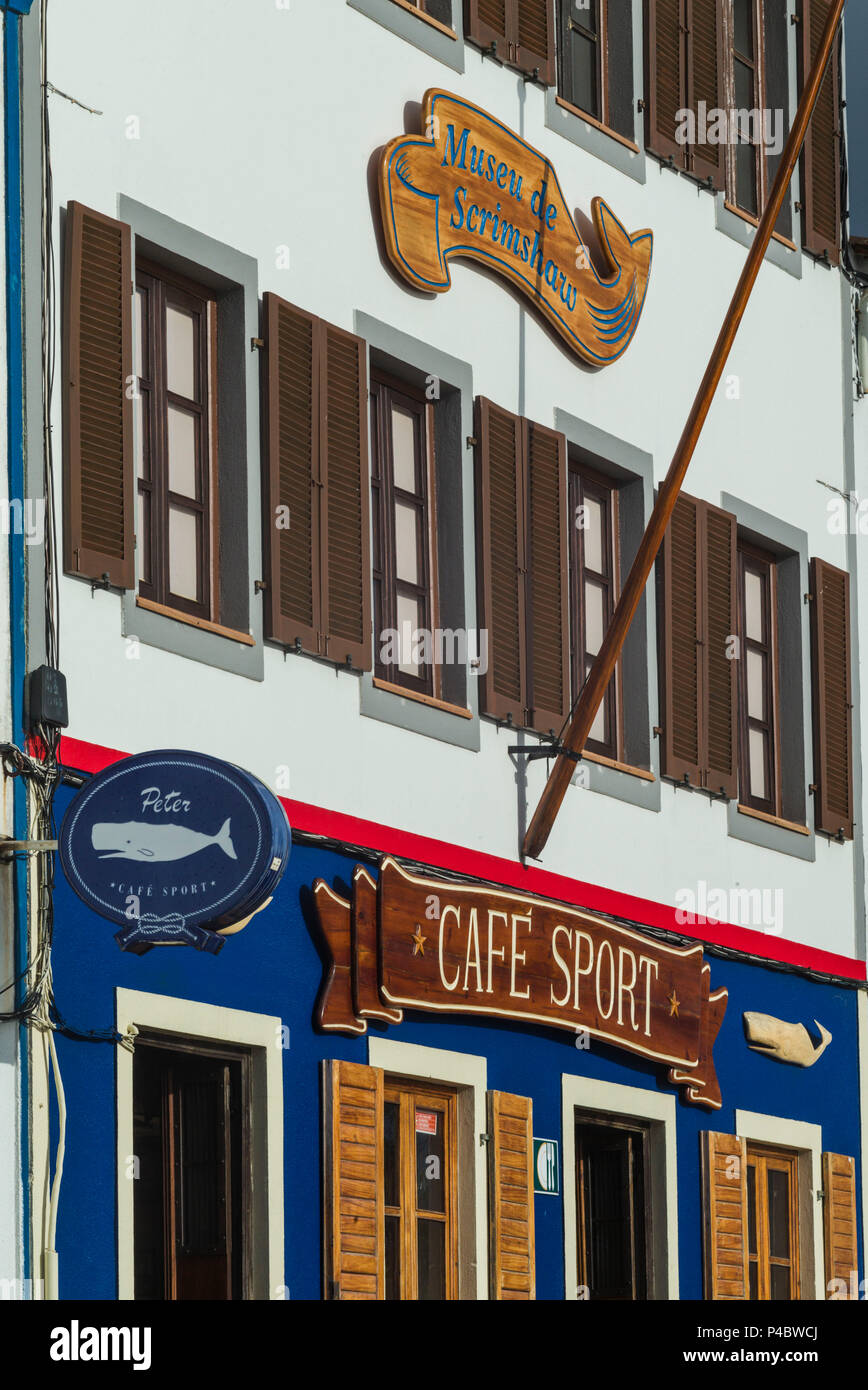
[546, 1169]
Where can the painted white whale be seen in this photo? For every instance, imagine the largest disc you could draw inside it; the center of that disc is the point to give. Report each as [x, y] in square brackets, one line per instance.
[157, 844]
[785, 1042]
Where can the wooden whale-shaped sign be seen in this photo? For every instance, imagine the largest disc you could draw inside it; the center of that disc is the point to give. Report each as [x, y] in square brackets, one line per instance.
[471, 187]
[784, 1042]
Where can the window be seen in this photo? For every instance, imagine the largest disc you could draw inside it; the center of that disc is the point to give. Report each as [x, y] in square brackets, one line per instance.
[192, 1197]
[175, 342]
[420, 1146]
[595, 60]
[758, 681]
[404, 548]
[772, 1224]
[747, 173]
[593, 592]
[612, 1218]
[520, 33]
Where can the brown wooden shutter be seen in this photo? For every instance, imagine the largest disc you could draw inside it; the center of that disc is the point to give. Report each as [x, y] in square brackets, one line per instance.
[535, 38]
[353, 1188]
[510, 1196]
[548, 569]
[833, 733]
[821, 159]
[718, 549]
[724, 1208]
[665, 86]
[98, 472]
[346, 493]
[292, 556]
[682, 633]
[501, 560]
[839, 1208]
[704, 72]
[486, 23]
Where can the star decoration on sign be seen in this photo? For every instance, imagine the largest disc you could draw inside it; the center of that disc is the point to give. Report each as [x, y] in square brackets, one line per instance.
[673, 1002]
[419, 941]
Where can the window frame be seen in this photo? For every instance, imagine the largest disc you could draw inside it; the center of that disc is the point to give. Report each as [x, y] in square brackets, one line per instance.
[407, 1093]
[164, 289]
[764, 565]
[639, 1208]
[417, 7]
[190, 1050]
[764, 1158]
[758, 66]
[564, 27]
[583, 480]
[384, 391]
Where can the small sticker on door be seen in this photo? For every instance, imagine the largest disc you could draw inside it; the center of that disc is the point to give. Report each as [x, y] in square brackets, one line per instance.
[426, 1121]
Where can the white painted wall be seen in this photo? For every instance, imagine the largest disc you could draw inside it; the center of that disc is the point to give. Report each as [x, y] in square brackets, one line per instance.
[257, 127]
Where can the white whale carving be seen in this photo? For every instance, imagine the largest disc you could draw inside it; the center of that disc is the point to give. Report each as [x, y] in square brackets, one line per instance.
[784, 1042]
[156, 844]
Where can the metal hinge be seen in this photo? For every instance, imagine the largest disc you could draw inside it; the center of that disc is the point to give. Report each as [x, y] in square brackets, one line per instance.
[257, 344]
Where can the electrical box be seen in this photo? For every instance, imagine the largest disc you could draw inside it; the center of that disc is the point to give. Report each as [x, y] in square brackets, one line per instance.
[48, 698]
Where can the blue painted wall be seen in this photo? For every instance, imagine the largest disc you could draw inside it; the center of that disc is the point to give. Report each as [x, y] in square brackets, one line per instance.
[274, 967]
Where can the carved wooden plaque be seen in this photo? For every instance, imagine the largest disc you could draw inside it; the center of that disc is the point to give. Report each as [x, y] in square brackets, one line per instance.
[471, 187]
[421, 943]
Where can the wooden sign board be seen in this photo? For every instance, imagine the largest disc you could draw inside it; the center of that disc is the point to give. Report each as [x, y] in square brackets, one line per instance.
[420, 943]
[471, 187]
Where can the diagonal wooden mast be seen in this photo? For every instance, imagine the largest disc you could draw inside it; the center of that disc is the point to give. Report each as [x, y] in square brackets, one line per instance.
[600, 673]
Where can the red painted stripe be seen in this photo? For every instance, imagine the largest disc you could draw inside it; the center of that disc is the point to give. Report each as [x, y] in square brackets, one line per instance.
[440, 854]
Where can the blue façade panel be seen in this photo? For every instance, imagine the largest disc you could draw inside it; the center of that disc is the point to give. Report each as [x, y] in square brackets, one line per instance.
[275, 967]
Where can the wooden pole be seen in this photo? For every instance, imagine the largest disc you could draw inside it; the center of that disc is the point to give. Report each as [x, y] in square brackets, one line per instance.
[600, 673]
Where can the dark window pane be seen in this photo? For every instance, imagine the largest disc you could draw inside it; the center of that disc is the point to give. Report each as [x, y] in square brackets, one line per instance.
[780, 1283]
[751, 1209]
[742, 11]
[393, 1256]
[439, 9]
[392, 1153]
[620, 98]
[431, 1250]
[745, 178]
[585, 13]
[752, 1277]
[744, 95]
[430, 1177]
[779, 1214]
[583, 73]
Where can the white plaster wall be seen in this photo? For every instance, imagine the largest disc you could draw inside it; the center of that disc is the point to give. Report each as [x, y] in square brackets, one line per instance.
[257, 128]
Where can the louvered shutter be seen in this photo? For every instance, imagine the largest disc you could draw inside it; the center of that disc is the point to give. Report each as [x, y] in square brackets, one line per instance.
[355, 1240]
[704, 84]
[292, 415]
[548, 598]
[681, 666]
[666, 84]
[501, 560]
[839, 1225]
[833, 734]
[98, 473]
[719, 720]
[535, 38]
[485, 23]
[510, 1197]
[346, 497]
[821, 158]
[777, 72]
[724, 1210]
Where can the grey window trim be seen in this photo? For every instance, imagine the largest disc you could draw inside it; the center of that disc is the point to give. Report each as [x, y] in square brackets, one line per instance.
[595, 141]
[417, 31]
[791, 546]
[212, 263]
[406, 713]
[634, 468]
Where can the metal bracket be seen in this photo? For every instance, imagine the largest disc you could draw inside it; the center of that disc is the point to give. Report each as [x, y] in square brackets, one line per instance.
[9, 848]
[104, 583]
[544, 750]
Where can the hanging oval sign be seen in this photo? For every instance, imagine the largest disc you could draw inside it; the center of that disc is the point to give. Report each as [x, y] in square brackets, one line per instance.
[175, 847]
